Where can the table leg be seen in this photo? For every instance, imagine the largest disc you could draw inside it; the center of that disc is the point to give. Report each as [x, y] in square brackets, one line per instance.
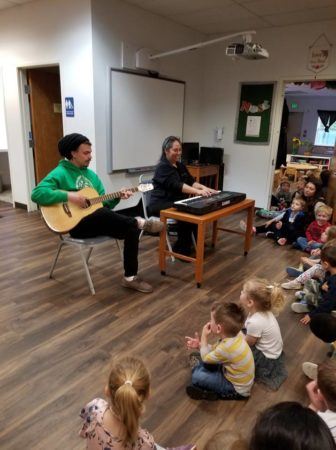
[248, 232]
[162, 246]
[199, 254]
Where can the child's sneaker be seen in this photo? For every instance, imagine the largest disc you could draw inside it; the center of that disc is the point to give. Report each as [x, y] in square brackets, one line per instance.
[197, 393]
[293, 272]
[291, 285]
[269, 234]
[299, 295]
[300, 307]
[310, 370]
[266, 214]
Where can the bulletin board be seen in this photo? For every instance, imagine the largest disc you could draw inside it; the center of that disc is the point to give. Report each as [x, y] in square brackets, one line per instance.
[254, 117]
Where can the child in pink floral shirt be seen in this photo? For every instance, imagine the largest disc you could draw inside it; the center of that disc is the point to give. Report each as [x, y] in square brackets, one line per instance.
[114, 425]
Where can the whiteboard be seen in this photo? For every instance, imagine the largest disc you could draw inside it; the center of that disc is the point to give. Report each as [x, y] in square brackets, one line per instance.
[144, 111]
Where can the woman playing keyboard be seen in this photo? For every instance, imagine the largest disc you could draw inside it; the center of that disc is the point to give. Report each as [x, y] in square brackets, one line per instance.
[173, 182]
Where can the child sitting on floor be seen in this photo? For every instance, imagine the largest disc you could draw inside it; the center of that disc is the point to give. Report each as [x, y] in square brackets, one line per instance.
[322, 300]
[299, 188]
[262, 300]
[312, 264]
[315, 229]
[322, 394]
[225, 369]
[286, 227]
[115, 424]
[290, 426]
[282, 197]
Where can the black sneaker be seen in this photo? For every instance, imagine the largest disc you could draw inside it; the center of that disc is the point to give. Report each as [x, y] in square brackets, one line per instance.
[197, 393]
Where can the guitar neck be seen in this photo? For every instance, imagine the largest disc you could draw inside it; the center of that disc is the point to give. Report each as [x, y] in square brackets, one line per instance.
[105, 197]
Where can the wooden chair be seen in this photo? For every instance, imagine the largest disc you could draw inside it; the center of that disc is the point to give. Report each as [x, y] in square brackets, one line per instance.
[85, 247]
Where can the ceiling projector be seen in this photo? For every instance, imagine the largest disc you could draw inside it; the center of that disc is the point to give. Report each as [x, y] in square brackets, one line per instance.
[247, 51]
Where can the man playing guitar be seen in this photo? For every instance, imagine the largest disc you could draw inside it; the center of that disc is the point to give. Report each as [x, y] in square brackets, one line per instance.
[72, 174]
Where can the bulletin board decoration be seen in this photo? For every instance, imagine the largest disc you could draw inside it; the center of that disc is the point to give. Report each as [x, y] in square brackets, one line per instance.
[254, 116]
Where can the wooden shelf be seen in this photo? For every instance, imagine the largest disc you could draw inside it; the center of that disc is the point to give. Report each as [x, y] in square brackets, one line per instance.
[322, 162]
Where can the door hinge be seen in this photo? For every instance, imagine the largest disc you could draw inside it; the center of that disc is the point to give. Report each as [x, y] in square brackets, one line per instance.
[27, 89]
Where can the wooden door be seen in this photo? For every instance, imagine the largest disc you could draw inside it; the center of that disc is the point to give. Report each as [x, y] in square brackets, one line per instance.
[46, 118]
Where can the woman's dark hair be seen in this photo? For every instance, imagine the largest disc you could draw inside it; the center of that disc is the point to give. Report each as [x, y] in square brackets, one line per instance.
[290, 426]
[317, 184]
[325, 175]
[167, 144]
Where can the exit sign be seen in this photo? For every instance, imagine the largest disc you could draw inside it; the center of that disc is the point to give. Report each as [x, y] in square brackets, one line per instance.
[294, 105]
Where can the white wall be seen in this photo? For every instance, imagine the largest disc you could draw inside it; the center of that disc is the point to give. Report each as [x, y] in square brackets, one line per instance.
[309, 106]
[43, 33]
[248, 167]
[3, 133]
[61, 32]
[114, 22]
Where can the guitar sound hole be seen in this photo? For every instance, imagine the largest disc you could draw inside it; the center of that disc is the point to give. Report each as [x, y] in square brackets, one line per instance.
[87, 203]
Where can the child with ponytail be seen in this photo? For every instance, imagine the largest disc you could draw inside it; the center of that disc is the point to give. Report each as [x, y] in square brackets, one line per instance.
[263, 301]
[114, 425]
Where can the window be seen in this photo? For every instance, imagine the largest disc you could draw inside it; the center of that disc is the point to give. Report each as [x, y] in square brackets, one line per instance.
[323, 138]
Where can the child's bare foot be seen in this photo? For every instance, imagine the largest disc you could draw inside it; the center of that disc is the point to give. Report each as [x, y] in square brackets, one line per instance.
[242, 225]
[282, 241]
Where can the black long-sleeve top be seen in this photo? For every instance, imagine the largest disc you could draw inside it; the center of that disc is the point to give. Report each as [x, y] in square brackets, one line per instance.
[168, 181]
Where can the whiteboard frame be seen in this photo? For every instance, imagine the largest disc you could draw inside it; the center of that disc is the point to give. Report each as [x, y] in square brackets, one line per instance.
[109, 147]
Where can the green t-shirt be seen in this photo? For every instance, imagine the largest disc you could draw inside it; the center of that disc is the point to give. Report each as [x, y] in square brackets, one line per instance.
[67, 177]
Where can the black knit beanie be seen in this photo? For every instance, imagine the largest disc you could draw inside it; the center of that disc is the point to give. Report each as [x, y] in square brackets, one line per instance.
[70, 143]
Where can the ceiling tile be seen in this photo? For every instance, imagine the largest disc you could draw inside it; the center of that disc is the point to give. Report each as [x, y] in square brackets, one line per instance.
[233, 26]
[213, 15]
[174, 7]
[267, 7]
[307, 16]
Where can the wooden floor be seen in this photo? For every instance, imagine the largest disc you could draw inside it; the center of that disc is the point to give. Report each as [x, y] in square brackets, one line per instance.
[56, 340]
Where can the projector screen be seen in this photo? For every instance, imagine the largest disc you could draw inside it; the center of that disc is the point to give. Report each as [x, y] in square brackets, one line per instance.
[144, 111]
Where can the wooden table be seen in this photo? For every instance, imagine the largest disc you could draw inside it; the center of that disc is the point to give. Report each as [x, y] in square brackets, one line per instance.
[201, 222]
[299, 167]
[207, 170]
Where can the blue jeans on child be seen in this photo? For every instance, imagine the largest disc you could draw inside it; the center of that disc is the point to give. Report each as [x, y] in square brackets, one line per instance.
[302, 242]
[210, 378]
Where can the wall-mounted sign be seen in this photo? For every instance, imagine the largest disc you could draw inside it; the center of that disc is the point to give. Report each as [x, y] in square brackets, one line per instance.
[69, 107]
[319, 54]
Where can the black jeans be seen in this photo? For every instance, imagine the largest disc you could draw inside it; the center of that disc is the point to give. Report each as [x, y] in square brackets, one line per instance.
[105, 222]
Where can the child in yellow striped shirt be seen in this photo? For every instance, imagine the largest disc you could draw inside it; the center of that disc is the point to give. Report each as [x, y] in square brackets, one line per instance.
[226, 369]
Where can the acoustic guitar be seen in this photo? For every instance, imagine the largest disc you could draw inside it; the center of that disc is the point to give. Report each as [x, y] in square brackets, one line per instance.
[63, 217]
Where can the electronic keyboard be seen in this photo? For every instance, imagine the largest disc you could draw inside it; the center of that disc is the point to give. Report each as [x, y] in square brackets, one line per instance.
[202, 205]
